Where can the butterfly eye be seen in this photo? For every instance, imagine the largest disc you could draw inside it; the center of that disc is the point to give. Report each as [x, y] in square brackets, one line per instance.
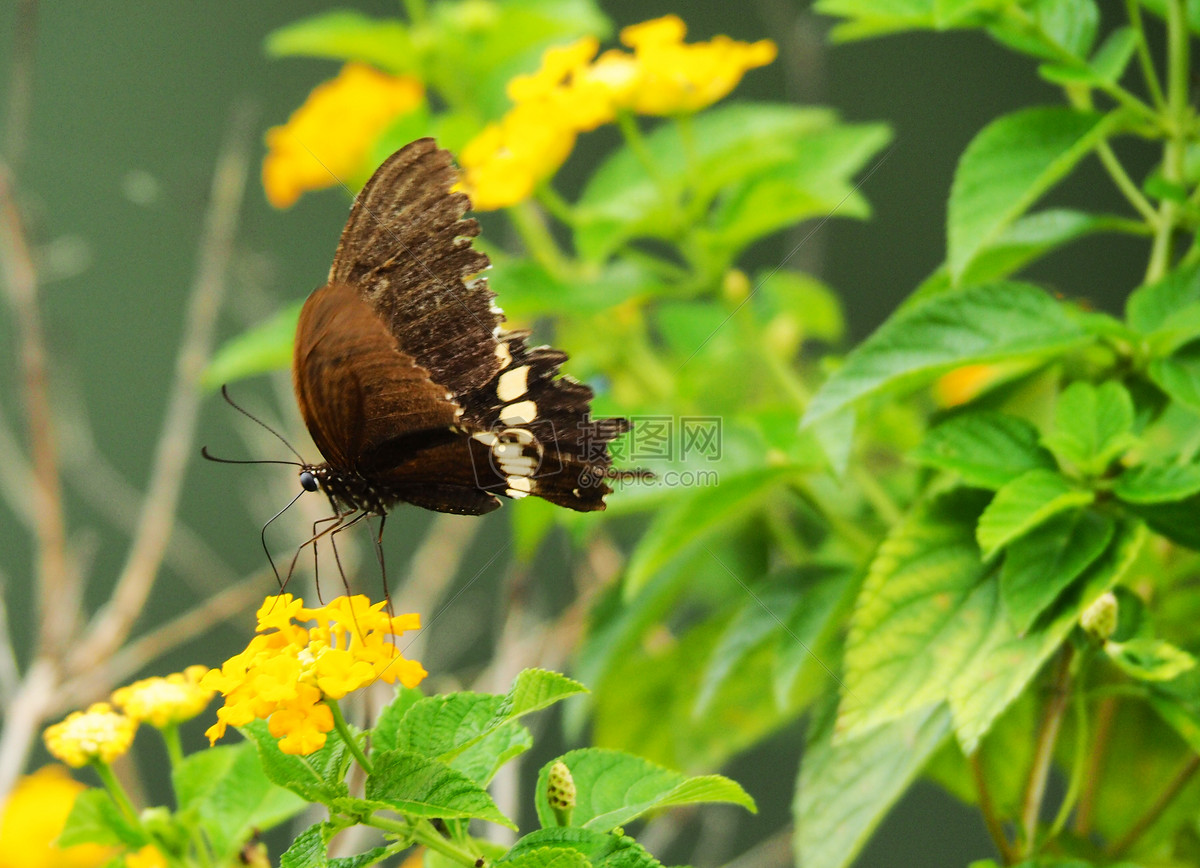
[307, 481]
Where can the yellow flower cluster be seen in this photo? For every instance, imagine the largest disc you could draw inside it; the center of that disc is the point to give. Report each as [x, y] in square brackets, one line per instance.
[288, 671]
[327, 139]
[34, 816]
[572, 93]
[165, 701]
[96, 735]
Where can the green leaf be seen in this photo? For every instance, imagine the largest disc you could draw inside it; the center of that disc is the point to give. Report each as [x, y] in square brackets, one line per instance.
[1041, 564]
[869, 18]
[803, 303]
[683, 527]
[1003, 663]
[1032, 237]
[731, 148]
[422, 787]
[1150, 659]
[1092, 425]
[548, 857]
[484, 758]
[442, 727]
[1006, 168]
[316, 777]
[227, 788]
[601, 850]
[990, 323]
[1179, 375]
[96, 819]
[308, 850]
[1152, 307]
[614, 788]
[1050, 28]
[987, 449]
[847, 784]
[1104, 69]
[907, 636]
[1158, 483]
[383, 734]
[264, 348]
[341, 34]
[1023, 504]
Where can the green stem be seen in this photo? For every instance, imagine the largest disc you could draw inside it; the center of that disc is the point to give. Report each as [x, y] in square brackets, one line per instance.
[1105, 714]
[423, 832]
[1126, 184]
[1149, 73]
[104, 770]
[1175, 147]
[1035, 789]
[170, 737]
[1146, 820]
[555, 204]
[882, 502]
[990, 818]
[339, 723]
[1079, 764]
[531, 225]
[632, 133]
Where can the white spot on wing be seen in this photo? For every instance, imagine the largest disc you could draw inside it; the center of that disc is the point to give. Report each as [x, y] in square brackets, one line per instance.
[513, 383]
[503, 354]
[519, 413]
[522, 484]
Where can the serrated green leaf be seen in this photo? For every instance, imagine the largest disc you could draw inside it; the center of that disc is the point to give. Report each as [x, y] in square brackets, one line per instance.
[1006, 168]
[1151, 307]
[681, 529]
[601, 850]
[1041, 564]
[383, 734]
[1150, 659]
[1092, 425]
[418, 786]
[908, 637]
[1004, 663]
[991, 323]
[535, 689]
[548, 857]
[987, 449]
[264, 348]
[1158, 483]
[1031, 237]
[481, 760]
[1179, 375]
[847, 785]
[1023, 504]
[307, 851]
[613, 788]
[316, 777]
[96, 819]
[228, 790]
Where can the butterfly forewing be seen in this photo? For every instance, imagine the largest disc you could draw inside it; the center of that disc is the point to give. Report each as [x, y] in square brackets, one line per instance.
[409, 383]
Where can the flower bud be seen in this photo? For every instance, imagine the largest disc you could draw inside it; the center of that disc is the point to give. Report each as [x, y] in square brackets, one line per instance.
[560, 792]
[1100, 618]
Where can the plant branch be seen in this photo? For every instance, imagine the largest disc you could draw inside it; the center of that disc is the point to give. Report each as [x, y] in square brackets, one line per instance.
[58, 592]
[20, 85]
[1035, 789]
[175, 445]
[1146, 820]
[988, 808]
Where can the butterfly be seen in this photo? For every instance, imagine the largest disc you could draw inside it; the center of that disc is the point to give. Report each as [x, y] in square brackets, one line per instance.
[412, 388]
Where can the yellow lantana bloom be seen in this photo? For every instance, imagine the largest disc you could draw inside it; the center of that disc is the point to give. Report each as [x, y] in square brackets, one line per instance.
[165, 701]
[572, 93]
[288, 671]
[34, 816]
[85, 736]
[678, 78]
[327, 139]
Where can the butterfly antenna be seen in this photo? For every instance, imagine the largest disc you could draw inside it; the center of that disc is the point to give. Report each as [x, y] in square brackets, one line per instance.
[204, 451]
[253, 418]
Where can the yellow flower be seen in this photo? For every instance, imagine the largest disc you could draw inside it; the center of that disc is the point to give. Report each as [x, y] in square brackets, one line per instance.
[164, 701]
[33, 818]
[96, 734]
[328, 138]
[677, 78]
[288, 671]
[147, 857]
[571, 93]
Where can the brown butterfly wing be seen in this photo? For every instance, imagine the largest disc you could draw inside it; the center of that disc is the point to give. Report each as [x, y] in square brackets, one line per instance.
[407, 249]
[355, 388]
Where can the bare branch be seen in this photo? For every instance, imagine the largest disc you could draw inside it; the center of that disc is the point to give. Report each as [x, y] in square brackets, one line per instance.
[176, 443]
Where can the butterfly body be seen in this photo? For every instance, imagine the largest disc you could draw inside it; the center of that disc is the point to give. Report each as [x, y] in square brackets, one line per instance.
[412, 389]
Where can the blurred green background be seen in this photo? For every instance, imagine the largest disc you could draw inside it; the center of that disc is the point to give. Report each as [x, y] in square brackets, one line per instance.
[129, 104]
